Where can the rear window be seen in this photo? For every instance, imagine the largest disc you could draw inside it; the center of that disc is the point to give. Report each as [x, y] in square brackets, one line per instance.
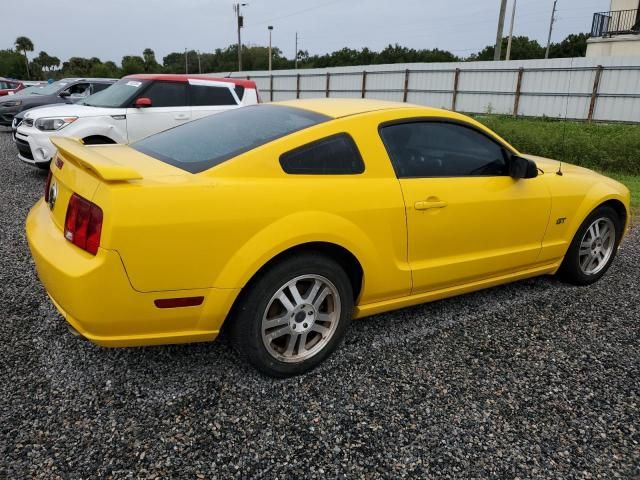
[202, 95]
[200, 145]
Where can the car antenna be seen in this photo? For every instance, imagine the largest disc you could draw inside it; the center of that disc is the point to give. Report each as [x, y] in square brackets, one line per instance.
[564, 126]
[228, 75]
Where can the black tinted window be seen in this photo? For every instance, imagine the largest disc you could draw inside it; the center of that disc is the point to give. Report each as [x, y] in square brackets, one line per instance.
[433, 149]
[203, 95]
[239, 91]
[335, 155]
[167, 94]
[98, 87]
[205, 143]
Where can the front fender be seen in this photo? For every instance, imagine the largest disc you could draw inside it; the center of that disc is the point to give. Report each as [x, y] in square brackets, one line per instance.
[302, 228]
[111, 128]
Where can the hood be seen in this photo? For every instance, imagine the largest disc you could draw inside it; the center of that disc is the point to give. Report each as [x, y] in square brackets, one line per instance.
[71, 110]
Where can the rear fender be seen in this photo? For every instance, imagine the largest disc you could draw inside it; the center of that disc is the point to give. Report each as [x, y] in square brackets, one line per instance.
[310, 227]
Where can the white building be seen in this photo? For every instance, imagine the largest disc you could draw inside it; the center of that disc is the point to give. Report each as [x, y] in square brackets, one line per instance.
[617, 32]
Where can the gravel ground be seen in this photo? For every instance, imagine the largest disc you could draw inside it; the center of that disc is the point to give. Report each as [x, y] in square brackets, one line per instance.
[531, 380]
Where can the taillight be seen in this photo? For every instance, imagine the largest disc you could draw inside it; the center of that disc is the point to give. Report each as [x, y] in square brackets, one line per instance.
[83, 224]
[47, 187]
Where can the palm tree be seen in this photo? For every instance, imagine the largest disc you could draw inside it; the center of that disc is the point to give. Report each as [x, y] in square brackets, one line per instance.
[24, 44]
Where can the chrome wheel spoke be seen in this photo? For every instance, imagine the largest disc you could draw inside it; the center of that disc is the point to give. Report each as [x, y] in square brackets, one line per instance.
[320, 329]
[286, 303]
[291, 344]
[320, 298]
[297, 298]
[278, 321]
[277, 333]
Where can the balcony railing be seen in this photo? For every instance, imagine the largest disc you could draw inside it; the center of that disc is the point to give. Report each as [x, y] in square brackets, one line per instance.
[615, 23]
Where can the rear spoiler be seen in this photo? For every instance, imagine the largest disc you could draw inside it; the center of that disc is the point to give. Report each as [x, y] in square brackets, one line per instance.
[75, 151]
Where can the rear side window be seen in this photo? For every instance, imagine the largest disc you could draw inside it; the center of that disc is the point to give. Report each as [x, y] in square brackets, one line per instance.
[167, 94]
[202, 144]
[239, 91]
[98, 87]
[335, 155]
[203, 95]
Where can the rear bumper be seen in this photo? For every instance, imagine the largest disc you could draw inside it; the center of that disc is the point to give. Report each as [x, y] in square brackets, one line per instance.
[94, 294]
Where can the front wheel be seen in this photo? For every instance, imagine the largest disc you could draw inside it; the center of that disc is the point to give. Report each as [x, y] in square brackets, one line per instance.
[593, 248]
[294, 315]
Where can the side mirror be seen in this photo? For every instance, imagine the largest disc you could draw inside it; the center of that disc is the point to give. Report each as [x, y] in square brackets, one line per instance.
[65, 94]
[142, 102]
[522, 168]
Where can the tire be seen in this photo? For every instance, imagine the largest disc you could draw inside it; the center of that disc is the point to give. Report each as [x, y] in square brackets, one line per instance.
[268, 331]
[43, 165]
[579, 266]
[97, 140]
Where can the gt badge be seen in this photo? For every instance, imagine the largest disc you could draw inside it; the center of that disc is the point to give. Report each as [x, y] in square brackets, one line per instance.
[53, 195]
[560, 221]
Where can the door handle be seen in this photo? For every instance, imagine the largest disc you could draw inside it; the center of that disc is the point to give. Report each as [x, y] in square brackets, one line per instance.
[429, 204]
[181, 116]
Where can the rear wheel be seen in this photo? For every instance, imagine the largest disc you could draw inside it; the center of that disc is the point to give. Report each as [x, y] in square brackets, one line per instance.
[294, 315]
[593, 248]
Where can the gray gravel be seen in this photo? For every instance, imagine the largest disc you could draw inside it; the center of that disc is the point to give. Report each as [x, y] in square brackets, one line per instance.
[531, 380]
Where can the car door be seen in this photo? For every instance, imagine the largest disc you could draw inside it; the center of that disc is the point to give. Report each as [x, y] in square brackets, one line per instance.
[467, 218]
[169, 108]
[209, 97]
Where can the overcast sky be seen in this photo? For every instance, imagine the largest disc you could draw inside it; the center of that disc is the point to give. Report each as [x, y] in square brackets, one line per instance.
[110, 29]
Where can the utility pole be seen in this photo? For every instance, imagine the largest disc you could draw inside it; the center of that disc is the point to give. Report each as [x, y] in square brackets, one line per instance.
[186, 65]
[498, 49]
[553, 19]
[513, 19]
[240, 22]
[270, 27]
[296, 50]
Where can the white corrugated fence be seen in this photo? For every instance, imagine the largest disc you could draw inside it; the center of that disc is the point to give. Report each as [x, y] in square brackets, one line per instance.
[599, 89]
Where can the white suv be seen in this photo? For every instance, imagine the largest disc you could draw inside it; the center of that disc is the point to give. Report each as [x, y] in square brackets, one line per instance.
[133, 108]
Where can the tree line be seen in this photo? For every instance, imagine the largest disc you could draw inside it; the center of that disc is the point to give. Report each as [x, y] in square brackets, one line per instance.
[15, 63]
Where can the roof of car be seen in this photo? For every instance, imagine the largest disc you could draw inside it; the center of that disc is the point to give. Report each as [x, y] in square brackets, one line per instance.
[343, 107]
[170, 77]
[87, 79]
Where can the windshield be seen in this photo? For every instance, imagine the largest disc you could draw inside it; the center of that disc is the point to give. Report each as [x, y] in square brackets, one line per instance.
[52, 88]
[117, 95]
[205, 143]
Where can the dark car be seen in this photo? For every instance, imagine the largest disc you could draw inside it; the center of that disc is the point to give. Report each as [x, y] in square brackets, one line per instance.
[67, 90]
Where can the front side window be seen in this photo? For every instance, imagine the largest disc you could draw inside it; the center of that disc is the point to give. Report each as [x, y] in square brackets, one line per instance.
[202, 144]
[335, 155]
[440, 149]
[166, 94]
[79, 90]
[201, 95]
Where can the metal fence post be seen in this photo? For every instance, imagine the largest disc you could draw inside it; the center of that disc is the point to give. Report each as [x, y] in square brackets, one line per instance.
[271, 87]
[406, 85]
[456, 79]
[298, 86]
[594, 93]
[364, 83]
[516, 101]
[326, 87]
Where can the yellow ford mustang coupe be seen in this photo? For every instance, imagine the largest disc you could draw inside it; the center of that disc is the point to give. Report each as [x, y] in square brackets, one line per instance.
[285, 221]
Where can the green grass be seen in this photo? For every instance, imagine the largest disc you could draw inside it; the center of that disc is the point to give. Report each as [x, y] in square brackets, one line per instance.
[633, 183]
[613, 148]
